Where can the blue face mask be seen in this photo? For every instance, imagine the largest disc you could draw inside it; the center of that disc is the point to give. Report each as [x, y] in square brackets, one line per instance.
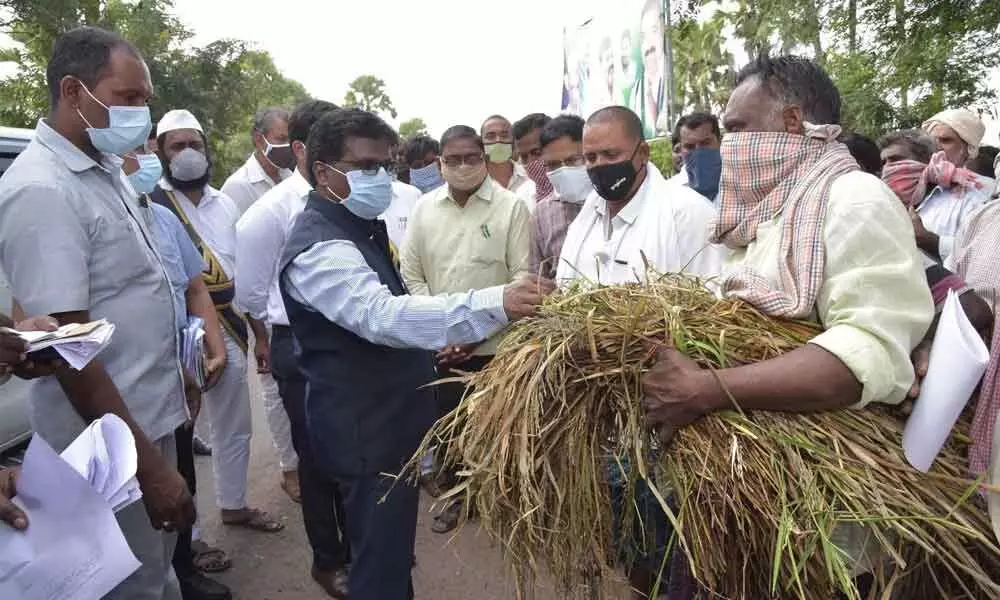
[149, 172]
[128, 127]
[371, 193]
[704, 169]
[426, 178]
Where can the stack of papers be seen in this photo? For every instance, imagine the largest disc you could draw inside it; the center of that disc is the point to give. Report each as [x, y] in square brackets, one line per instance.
[73, 548]
[105, 455]
[76, 343]
[193, 349]
[957, 363]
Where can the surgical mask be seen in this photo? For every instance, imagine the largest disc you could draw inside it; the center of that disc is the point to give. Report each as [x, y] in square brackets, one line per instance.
[572, 184]
[150, 170]
[188, 165]
[614, 181]
[371, 193]
[464, 178]
[426, 178]
[704, 169]
[499, 152]
[128, 127]
[279, 155]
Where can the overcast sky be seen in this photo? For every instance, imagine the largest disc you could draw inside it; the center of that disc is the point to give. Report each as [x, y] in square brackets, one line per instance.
[445, 61]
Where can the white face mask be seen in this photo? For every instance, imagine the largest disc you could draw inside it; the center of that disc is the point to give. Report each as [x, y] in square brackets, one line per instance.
[572, 184]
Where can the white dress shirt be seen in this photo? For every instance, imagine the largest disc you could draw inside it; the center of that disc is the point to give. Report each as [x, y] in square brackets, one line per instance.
[669, 225]
[397, 216]
[334, 279]
[260, 237]
[522, 185]
[214, 218]
[247, 184]
[944, 212]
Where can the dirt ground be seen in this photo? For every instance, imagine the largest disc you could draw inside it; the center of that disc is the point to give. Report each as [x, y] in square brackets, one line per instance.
[276, 566]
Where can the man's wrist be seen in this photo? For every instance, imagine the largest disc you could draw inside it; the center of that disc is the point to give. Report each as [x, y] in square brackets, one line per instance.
[712, 395]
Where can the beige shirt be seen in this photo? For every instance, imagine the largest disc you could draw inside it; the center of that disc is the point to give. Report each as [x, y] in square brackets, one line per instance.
[451, 249]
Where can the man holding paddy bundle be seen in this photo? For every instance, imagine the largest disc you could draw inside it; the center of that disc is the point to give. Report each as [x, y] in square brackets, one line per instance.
[811, 237]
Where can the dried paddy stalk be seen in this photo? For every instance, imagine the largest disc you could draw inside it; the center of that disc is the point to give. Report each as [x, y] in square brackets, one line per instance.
[762, 498]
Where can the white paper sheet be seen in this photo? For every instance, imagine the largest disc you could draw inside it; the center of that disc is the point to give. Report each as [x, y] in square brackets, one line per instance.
[957, 363]
[193, 349]
[73, 548]
[105, 455]
[76, 343]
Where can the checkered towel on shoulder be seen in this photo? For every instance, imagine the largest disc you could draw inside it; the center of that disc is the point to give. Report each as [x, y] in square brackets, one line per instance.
[765, 174]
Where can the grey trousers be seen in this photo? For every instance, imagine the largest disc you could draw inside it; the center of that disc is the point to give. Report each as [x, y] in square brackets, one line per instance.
[155, 579]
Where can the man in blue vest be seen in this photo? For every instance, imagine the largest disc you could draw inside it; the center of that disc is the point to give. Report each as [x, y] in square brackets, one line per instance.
[366, 347]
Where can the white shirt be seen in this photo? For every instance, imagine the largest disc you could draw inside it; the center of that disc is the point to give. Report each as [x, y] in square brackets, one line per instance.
[945, 211]
[214, 218]
[669, 225]
[522, 185]
[247, 184]
[679, 178]
[260, 237]
[396, 217]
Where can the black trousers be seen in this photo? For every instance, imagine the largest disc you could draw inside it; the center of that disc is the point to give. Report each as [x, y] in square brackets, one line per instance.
[183, 557]
[322, 502]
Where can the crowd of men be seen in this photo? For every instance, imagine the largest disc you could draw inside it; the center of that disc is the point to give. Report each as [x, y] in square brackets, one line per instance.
[358, 267]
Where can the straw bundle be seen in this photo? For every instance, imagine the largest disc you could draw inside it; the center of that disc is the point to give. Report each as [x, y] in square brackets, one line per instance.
[761, 498]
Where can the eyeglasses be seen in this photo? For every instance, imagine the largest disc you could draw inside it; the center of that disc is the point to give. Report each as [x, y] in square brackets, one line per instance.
[368, 167]
[573, 161]
[473, 160]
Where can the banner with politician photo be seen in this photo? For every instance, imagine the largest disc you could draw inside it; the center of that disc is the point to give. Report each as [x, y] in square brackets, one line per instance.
[618, 58]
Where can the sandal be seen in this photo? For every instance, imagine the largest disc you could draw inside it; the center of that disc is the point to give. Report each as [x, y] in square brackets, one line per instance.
[252, 518]
[208, 559]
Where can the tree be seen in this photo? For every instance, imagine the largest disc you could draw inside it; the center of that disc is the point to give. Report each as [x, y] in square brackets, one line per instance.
[412, 128]
[703, 68]
[222, 83]
[367, 92]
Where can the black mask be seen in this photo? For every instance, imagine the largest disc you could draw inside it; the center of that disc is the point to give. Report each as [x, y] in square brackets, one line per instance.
[282, 157]
[613, 182]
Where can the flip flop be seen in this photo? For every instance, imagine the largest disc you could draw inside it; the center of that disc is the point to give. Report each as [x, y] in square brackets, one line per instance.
[208, 559]
[252, 518]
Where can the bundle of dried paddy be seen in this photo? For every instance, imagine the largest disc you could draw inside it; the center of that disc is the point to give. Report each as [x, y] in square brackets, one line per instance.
[761, 498]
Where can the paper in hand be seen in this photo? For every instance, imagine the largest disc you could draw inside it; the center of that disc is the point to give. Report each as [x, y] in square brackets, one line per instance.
[957, 363]
[73, 548]
[76, 343]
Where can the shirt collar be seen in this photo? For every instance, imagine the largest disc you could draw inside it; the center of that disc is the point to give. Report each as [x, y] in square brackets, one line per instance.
[485, 191]
[75, 159]
[299, 184]
[255, 172]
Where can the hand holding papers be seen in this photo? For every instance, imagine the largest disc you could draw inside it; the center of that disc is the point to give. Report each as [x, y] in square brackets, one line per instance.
[193, 349]
[73, 548]
[105, 455]
[76, 343]
[957, 363]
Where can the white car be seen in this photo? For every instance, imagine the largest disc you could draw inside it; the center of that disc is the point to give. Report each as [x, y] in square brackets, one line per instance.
[15, 421]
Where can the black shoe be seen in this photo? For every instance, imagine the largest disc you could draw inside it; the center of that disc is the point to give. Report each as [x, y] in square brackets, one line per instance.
[201, 448]
[198, 587]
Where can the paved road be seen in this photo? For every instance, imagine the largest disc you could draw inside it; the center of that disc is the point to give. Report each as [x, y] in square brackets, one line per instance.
[276, 566]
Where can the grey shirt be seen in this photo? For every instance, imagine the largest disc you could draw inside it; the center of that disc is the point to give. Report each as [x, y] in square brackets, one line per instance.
[74, 238]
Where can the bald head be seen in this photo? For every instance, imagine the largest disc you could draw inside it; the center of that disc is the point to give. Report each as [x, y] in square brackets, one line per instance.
[625, 120]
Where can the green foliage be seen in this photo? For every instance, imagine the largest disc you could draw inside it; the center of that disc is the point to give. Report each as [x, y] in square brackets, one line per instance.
[367, 92]
[661, 154]
[223, 83]
[412, 127]
[896, 62]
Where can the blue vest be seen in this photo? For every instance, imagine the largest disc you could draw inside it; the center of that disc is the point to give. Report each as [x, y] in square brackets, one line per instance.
[365, 410]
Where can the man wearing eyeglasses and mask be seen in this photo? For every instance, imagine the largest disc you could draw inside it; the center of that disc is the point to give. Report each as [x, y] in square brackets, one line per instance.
[271, 162]
[209, 216]
[468, 234]
[365, 345]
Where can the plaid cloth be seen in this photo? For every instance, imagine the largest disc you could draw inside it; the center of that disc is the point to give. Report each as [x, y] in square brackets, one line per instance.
[549, 223]
[941, 281]
[765, 174]
[538, 174]
[977, 260]
[910, 178]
